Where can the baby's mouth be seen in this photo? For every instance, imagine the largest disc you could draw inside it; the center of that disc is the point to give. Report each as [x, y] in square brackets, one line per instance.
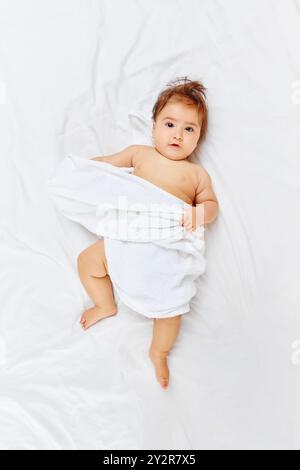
[174, 145]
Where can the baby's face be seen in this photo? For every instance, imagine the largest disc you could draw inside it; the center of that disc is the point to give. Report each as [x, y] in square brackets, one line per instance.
[177, 123]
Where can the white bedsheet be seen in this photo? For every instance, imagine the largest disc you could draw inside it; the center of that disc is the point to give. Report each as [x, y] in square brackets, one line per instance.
[83, 76]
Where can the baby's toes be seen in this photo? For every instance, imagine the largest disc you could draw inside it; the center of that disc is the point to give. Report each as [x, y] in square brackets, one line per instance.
[164, 382]
[163, 377]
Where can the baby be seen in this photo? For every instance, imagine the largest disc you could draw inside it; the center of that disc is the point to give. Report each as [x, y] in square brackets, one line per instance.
[179, 127]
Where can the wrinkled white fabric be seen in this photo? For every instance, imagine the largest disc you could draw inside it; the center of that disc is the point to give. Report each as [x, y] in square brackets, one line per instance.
[152, 260]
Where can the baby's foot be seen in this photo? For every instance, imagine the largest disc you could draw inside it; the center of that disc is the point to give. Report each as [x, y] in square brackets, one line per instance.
[94, 314]
[161, 367]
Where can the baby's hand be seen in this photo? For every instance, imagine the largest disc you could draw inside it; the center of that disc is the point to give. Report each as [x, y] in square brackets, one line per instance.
[192, 217]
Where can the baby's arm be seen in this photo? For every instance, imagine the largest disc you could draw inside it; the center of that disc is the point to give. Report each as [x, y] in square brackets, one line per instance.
[206, 202]
[125, 158]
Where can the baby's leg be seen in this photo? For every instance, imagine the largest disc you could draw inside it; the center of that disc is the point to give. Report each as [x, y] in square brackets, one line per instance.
[165, 332]
[93, 273]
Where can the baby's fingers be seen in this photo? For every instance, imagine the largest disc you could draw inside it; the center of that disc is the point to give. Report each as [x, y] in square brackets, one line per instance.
[187, 223]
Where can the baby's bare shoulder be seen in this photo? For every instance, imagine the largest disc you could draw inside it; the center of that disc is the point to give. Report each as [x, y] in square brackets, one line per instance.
[140, 151]
[146, 147]
[197, 168]
[199, 173]
[143, 148]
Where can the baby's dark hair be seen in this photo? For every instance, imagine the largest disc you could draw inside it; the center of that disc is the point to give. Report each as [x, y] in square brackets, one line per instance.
[191, 92]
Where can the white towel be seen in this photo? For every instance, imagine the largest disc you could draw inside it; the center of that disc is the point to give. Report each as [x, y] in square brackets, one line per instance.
[153, 261]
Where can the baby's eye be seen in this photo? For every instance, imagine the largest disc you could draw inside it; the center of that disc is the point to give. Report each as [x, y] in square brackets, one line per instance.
[167, 124]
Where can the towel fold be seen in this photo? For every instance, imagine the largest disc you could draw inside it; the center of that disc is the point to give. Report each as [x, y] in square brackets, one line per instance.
[153, 261]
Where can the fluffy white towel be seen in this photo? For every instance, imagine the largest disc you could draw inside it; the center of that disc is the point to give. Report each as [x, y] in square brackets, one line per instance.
[152, 260]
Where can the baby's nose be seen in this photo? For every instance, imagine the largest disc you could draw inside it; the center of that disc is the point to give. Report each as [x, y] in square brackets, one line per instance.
[178, 134]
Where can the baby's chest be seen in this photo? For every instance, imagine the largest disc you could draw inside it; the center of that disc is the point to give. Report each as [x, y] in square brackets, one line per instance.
[183, 183]
[176, 179]
[175, 182]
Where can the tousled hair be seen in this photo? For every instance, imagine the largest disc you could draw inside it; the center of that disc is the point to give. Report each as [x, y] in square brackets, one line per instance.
[190, 92]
